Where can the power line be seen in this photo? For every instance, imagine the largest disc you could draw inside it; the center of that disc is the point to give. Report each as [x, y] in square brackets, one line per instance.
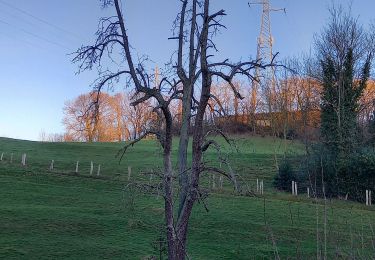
[35, 35]
[22, 40]
[40, 19]
[25, 21]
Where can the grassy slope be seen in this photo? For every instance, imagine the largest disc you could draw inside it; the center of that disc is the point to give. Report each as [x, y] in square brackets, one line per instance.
[44, 215]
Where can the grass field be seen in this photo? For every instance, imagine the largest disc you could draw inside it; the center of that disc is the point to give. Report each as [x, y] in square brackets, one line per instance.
[46, 215]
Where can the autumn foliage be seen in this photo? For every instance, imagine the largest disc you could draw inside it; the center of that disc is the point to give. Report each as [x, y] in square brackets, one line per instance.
[104, 118]
[296, 113]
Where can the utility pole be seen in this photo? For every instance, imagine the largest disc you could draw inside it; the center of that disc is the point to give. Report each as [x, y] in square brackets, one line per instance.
[156, 77]
[265, 78]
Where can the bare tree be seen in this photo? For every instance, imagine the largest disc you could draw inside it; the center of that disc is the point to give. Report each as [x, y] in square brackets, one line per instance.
[341, 33]
[42, 136]
[79, 119]
[195, 27]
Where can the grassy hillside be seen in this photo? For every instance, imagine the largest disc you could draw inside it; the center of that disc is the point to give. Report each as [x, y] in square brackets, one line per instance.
[47, 215]
[250, 157]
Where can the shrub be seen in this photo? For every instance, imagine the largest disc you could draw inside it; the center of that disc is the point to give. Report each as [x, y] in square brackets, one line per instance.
[357, 174]
[349, 174]
[318, 168]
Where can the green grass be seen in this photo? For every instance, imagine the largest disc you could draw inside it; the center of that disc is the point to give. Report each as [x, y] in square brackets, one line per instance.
[45, 215]
[252, 158]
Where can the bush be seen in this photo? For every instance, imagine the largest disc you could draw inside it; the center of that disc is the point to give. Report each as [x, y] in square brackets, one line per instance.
[285, 176]
[318, 170]
[357, 174]
[350, 174]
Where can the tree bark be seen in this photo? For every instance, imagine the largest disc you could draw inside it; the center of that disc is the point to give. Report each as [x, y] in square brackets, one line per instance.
[183, 221]
[188, 83]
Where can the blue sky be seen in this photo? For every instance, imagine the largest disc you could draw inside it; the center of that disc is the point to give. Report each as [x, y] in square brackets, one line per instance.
[36, 37]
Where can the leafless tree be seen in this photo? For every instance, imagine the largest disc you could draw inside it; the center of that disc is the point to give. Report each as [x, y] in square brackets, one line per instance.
[195, 27]
[343, 32]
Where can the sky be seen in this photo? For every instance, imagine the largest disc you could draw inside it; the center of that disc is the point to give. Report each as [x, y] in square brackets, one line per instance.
[38, 36]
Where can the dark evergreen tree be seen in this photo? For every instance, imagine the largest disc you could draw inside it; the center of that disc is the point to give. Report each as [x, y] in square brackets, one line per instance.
[340, 101]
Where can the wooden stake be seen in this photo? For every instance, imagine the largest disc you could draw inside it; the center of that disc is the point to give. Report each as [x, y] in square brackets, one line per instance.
[221, 182]
[366, 197]
[91, 167]
[257, 186]
[77, 165]
[51, 165]
[98, 173]
[308, 192]
[295, 189]
[2, 155]
[213, 181]
[292, 187]
[24, 159]
[11, 158]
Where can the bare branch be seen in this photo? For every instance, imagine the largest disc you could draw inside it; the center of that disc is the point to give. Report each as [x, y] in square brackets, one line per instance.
[133, 142]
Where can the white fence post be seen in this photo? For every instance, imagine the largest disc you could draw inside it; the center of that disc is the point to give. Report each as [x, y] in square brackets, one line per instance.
[295, 189]
[257, 186]
[308, 192]
[2, 155]
[23, 159]
[91, 167]
[292, 187]
[51, 165]
[77, 165]
[98, 172]
[367, 197]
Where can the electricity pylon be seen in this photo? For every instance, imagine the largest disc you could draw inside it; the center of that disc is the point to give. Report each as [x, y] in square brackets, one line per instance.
[264, 77]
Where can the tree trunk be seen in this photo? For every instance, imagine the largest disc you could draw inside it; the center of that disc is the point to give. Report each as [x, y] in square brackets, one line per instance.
[183, 145]
[188, 89]
[193, 188]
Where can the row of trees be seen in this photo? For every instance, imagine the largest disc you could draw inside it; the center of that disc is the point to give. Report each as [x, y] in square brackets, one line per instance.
[111, 118]
[105, 118]
[296, 113]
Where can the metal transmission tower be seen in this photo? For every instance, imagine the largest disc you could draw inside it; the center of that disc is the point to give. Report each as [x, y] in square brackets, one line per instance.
[265, 77]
